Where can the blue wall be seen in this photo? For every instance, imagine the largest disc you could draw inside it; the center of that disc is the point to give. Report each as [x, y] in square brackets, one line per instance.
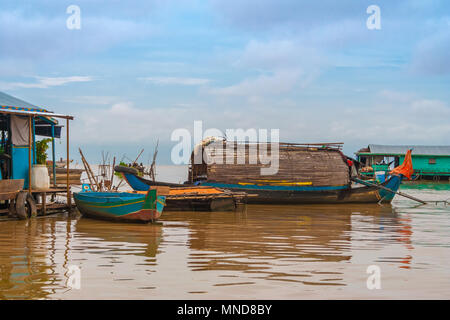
[20, 163]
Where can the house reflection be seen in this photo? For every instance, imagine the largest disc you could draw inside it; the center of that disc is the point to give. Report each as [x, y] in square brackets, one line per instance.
[35, 255]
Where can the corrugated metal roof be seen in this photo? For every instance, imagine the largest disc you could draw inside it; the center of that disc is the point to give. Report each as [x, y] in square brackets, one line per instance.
[422, 150]
[12, 103]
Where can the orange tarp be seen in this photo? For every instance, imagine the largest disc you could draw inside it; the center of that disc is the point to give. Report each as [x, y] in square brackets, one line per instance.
[406, 168]
[189, 190]
[179, 191]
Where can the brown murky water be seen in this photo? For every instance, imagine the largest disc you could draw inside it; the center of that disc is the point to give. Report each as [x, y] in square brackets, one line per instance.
[268, 252]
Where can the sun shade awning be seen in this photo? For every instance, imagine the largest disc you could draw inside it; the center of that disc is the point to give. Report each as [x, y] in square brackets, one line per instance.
[12, 105]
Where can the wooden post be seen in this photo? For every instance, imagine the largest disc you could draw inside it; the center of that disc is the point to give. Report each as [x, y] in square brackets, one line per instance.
[53, 155]
[69, 198]
[34, 140]
[44, 203]
[29, 154]
[112, 174]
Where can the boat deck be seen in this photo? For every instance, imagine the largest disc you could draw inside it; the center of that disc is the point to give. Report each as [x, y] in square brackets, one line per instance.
[43, 206]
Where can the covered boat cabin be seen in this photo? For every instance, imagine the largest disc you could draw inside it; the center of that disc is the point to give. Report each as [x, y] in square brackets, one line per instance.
[20, 125]
[314, 165]
[429, 162]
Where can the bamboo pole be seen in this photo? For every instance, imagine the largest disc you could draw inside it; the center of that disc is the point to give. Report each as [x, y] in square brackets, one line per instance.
[89, 171]
[138, 156]
[387, 189]
[152, 168]
[112, 174]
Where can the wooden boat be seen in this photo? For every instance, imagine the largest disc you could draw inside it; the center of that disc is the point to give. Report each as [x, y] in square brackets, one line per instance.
[273, 194]
[281, 193]
[199, 198]
[61, 175]
[120, 206]
[182, 197]
[58, 164]
[138, 183]
[308, 173]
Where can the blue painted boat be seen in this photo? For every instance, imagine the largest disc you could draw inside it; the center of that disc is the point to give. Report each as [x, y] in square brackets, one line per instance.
[273, 194]
[304, 175]
[308, 194]
[120, 206]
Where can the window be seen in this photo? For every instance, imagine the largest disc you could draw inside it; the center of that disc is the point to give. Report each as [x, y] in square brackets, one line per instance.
[432, 161]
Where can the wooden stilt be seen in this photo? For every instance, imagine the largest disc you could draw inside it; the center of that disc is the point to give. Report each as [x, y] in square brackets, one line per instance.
[29, 153]
[69, 198]
[44, 203]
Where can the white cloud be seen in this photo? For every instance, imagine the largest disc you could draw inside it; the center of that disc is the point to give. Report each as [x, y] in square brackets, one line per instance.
[123, 122]
[282, 66]
[92, 100]
[280, 82]
[387, 119]
[37, 36]
[396, 96]
[46, 82]
[176, 81]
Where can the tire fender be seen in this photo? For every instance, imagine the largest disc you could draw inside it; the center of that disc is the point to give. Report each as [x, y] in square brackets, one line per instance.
[126, 170]
[24, 200]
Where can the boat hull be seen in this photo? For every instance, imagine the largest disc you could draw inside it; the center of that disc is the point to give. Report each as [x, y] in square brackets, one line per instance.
[141, 184]
[270, 194]
[311, 195]
[199, 204]
[118, 206]
[193, 203]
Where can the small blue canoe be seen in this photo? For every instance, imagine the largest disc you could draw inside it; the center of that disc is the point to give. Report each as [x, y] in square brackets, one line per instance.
[121, 206]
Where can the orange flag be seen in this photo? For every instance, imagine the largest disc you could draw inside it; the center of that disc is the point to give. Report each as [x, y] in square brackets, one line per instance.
[406, 168]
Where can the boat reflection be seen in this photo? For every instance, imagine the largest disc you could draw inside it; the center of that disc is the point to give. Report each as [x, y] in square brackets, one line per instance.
[286, 243]
[147, 237]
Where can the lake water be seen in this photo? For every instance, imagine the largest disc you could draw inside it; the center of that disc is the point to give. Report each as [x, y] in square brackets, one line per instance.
[257, 252]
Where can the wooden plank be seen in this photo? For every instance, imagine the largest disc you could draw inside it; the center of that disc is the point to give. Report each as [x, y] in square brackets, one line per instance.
[44, 202]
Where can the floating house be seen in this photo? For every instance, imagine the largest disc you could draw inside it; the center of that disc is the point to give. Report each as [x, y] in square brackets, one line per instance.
[429, 162]
[275, 173]
[20, 125]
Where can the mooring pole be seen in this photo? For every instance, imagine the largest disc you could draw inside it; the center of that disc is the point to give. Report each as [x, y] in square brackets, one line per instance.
[387, 189]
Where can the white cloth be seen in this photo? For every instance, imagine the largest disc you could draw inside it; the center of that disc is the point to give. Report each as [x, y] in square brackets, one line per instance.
[20, 131]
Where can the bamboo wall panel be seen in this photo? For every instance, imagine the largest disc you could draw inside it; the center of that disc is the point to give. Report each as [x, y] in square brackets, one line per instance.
[317, 166]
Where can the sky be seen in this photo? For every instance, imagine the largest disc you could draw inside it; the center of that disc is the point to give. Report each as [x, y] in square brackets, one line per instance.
[135, 71]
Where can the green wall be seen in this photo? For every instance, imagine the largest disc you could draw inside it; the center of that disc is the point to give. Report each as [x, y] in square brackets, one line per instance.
[421, 164]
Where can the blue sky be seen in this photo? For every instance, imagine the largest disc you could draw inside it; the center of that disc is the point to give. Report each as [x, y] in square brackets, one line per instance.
[137, 70]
